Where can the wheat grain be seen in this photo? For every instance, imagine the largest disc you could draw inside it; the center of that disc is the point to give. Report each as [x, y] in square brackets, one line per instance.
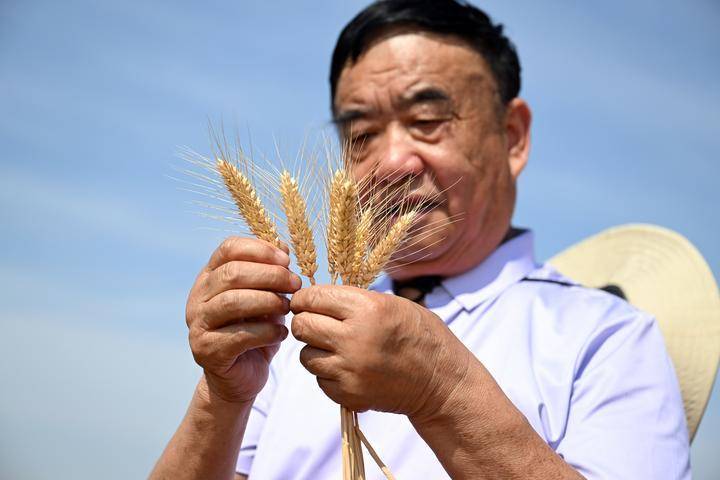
[248, 202]
[360, 237]
[380, 254]
[363, 235]
[301, 236]
[342, 225]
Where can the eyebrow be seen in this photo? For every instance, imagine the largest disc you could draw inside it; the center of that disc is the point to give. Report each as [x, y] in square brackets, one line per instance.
[426, 95]
[348, 116]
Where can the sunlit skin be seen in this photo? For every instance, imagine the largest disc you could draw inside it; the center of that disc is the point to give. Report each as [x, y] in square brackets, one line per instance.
[426, 106]
[423, 107]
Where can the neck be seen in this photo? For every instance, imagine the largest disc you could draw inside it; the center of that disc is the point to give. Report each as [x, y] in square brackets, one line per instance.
[454, 263]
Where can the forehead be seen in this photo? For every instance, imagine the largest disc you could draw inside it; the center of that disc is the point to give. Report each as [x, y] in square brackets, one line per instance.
[398, 62]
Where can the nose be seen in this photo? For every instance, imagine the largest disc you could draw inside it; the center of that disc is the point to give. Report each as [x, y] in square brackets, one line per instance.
[398, 158]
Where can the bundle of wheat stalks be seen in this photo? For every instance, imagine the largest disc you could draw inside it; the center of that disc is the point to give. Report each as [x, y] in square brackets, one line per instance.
[364, 225]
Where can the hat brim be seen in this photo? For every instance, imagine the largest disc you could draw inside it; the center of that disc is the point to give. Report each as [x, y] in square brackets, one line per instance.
[662, 273]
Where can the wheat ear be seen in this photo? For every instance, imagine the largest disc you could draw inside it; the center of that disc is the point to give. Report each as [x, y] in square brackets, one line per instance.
[342, 225]
[362, 243]
[248, 202]
[380, 254]
[301, 236]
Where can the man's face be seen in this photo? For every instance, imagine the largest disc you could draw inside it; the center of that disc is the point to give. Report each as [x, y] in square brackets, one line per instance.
[423, 106]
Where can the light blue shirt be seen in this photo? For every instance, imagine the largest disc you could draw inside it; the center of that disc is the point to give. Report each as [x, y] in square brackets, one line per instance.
[589, 371]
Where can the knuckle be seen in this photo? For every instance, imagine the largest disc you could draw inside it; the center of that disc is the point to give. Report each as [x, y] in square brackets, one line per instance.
[280, 276]
[277, 303]
[373, 307]
[298, 326]
[229, 273]
[198, 347]
[235, 247]
[228, 246]
[304, 356]
[242, 338]
[329, 389]
[190, 313]
[227, 302]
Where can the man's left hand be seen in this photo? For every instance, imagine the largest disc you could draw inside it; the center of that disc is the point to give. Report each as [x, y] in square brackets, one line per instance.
[373, 351]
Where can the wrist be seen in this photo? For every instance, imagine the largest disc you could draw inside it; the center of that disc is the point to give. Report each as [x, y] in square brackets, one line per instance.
[207, 401]
[449, 379]
[472, 399]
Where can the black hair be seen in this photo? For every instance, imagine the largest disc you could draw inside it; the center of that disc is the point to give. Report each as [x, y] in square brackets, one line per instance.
[445, 17]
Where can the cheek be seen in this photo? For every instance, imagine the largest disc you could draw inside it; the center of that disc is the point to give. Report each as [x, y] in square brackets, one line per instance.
[459, 181]
[358, 171]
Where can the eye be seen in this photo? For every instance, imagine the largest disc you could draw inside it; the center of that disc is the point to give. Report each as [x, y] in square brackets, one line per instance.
[427, 126]
[361, 139]
[359, 143]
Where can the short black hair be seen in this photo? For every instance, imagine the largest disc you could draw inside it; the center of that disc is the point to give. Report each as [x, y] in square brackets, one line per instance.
[446, 17]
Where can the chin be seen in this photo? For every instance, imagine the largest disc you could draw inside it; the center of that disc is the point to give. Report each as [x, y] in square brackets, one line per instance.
[420, 250]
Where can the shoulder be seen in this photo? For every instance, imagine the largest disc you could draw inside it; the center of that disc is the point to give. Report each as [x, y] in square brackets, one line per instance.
[586, 320]
[564, 299]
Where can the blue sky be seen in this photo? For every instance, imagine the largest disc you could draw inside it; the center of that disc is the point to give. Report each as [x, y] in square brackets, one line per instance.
[100, 247]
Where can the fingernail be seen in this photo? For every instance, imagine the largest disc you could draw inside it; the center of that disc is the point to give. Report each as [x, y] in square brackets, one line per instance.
[295, 282]
[284, 333]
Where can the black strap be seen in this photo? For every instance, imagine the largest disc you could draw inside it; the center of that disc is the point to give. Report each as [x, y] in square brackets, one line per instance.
[547, 280]
[610, 288]
[614, 290]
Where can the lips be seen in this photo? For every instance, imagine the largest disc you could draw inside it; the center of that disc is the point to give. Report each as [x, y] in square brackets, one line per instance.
[420, 203]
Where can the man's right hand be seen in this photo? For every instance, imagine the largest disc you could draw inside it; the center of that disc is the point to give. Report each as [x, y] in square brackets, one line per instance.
[235, 313]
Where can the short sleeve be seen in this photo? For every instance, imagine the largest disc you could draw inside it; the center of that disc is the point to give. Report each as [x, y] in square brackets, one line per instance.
[256, 422]
[626, 417]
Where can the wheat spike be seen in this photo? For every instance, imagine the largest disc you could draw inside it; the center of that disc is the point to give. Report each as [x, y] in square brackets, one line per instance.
[380, 254]
[301, 236]
[248, 202]
[342, 224]
[362, 242]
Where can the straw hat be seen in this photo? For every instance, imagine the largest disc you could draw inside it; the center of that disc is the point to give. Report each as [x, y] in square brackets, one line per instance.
[660, 272]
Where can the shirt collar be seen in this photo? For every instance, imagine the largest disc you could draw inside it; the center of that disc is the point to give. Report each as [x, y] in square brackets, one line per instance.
[508, 264]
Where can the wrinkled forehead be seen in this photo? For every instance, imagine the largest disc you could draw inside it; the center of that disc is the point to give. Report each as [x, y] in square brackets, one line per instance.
[402, 59]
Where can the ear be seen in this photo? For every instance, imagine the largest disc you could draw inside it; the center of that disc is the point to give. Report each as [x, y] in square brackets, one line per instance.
[517, 129]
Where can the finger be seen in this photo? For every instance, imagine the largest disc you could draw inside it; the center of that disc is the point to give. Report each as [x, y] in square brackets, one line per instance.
[284, 247]
[251, 275]
[331, 388]
[320, 363]
[338, 301]
[317, 330]
[334, 390]
[232, 305]
[247, 249]
[221, 347]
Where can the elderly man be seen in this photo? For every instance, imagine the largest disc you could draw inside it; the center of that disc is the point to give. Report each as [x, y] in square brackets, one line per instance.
[499, 368]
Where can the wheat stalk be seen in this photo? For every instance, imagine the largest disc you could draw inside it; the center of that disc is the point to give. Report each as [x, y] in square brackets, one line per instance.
[297, 223]
[248, 202]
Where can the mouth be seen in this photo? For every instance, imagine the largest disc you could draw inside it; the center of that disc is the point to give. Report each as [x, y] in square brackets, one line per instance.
[420, 203]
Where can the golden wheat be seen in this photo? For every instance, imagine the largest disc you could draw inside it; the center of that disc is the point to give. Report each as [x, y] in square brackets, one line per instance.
[360, 241]
[248, 202]
[342, 225]
[380, 254]
[301, 236]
